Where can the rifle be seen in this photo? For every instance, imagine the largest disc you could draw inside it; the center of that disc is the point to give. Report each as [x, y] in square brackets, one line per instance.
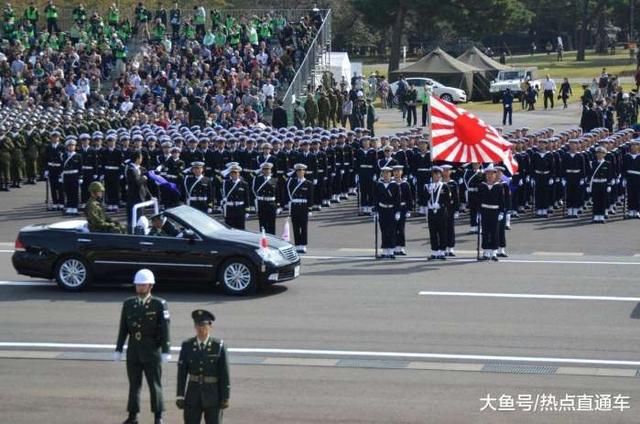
[624, 203]
[375, 232]
[46, 190]
[564, 200]
[478, 222]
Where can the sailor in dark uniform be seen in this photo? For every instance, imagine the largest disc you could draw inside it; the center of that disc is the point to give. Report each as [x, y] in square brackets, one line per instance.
[198, 191]
[71, 176]
[503, 224]
[53, 170]
[235, 198]
[452, 212]
[542, 166]
[406, 206]
[600, 183]
[266, 194]
[365, 162]
[438, 205]
[386, 196]
[491, 201]
[299, 193]
[90, 167]
[111, 162]
[573, 174]
[631, 178]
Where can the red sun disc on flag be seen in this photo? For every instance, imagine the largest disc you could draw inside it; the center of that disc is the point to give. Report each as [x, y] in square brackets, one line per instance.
[458, 136]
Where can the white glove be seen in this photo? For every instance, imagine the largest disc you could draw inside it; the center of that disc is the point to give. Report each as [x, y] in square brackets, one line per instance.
[278, 211]
[581, 181]
[342, 172]
[95, 177]
[374, 177]
[315, 181]
[533, 183]
[588, 189]
[80, 182]
[333, 174]
[407, 214]
[624, 182]
[101, 177]
[246, 216]
[456, 215]
[527, 178]
[159, 168]
[564, 182]
[500, 216]
[46, 174]
[209, 210]
[550, 181]
[397, 216]
[166, 357]
[117, 356]
[557, 180]
[60, 179]
[608, 189]
[520, 183]
[310, 214]
[461, 181]
[122, 177]
[357, 179]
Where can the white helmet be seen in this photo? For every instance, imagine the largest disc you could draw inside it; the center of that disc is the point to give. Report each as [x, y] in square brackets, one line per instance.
[144, 276]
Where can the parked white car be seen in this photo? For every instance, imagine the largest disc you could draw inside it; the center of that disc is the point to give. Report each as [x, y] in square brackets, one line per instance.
[449, 94]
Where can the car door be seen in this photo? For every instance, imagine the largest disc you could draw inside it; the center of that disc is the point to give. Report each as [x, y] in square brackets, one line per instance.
[175, 259]
[113, 257]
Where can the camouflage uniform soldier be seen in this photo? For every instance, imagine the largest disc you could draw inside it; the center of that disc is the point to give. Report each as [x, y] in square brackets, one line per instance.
[17, 156]
[97, 220]
[311, 109]
[333, 102]
[6, 147]
[31, 154]
[324, 110]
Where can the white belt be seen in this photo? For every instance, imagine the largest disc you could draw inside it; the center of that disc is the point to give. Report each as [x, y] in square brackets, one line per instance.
[385, 206]
[298, 200]
[472, 189]
[347, 163]
[542, 172]
[366, 166]
[266, 199]
[573, 171]
[599, 180]
[70, 171]
[234, 203]
[423, 169]
[53, 164]
[87, 167]
[338, 163]
[112, 168]
[198, 198]
[633, 172]
[486, 206]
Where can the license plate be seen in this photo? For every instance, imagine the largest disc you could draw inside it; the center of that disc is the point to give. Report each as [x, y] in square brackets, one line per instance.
[296, 271]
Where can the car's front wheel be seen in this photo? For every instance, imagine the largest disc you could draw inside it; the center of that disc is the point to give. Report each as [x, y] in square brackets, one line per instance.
[238, 277]
[73, 273]
[447, 97]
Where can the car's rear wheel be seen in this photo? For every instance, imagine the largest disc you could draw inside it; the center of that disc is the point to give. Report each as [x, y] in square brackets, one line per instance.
[238, 277]
[447, 98]
[73, 273]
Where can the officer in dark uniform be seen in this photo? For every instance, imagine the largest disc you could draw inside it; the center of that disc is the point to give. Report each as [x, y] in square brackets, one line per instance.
[198, 190]
[600, 183]
[321, 175]
[71, 176]
[631, 178]
[452, 212]
[542, 178]
[573, 174]
[111, 160]
[386, 195]
[300, 199]
[145, 322]
[491, 201]
[53, 171]
[90, 167]
[405, 208]
[438, 205]
[203, 374]
[136, 181]
[365, 164]
[266, 194]
[421, 171]
[235, 198]
[503, 182]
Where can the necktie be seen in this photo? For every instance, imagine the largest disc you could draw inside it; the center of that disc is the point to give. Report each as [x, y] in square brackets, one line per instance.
[201, 346]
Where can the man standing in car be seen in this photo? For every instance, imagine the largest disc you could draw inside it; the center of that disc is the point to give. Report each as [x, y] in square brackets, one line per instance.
[145, 322]
[136, 186]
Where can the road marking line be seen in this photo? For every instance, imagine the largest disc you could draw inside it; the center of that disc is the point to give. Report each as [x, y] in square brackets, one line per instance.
[6, 251]
[531, 296]
[558, 253]
[27, 283]
[355, 249]
[445, 366]
[355, 353]
[315, 362]
[459, 259]
[7, 243]
[603, 372]
[637, 255]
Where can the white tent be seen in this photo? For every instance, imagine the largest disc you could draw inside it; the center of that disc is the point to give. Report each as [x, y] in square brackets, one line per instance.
[340, 67]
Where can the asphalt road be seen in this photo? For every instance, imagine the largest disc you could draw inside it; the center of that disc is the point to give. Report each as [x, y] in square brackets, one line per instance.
[355, 340]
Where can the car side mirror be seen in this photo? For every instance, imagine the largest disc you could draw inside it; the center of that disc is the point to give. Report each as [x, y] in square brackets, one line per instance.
[189, 234]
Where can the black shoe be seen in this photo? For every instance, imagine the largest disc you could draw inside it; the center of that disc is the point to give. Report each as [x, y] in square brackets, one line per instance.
[502, 255]
[494, 258]
[442, 258]
[450, 254]
[432, 257]
[131, 420]
[401, 254]
[392, 256]
[158, 421]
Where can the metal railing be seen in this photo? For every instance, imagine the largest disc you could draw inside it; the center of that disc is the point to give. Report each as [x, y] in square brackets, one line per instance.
[306, 73]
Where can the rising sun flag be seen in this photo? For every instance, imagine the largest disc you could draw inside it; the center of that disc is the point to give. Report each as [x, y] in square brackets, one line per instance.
[461, 137]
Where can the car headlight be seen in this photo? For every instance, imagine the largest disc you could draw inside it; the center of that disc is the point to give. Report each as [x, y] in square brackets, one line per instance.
[272, 255]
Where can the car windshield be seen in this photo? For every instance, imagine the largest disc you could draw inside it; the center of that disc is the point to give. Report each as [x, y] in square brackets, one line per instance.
[510, 75]
[199, 221]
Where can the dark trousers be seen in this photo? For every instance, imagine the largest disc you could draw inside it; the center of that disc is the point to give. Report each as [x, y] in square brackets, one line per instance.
[299, 223]
[153, 374]
[574, 193]
[200, 205]
[84, 187]
[421, 191]
[490, 230]
[365, 183]
[267, 216]
[542, 192]
[473, 208]
[425, 115]
[235, 217]
[451, 230]
[633, 193]
[193, 415]
[599, 196]
[400, 226]
[507, 114]
[437, 229]
[548, 96]
[337, 182]
[175, 31]
[318, 192]
[57, 192]
[502, 233]
[71, 186]
[52, 25]
[112, 188]
[387, 227]
[411, 112]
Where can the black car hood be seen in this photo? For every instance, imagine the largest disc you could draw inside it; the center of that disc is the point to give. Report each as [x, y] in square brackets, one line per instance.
[249, 238]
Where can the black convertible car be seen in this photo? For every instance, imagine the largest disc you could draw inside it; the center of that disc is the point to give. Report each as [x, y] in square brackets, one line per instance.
[197, 249]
